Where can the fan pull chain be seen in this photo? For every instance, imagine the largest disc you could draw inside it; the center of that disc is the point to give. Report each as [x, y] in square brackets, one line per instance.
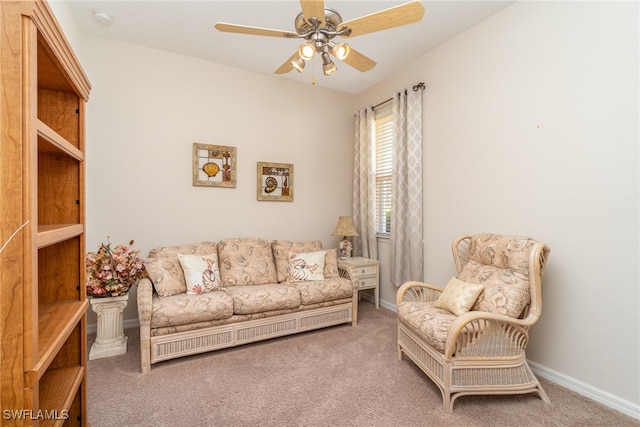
[313, 77]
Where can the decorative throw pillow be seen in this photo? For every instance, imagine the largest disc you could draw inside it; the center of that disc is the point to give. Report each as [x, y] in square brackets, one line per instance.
[282, 249]
[201, 272]
[306, 266]
[331, 264]
[246, 261]
[166, 276]
[458, 296]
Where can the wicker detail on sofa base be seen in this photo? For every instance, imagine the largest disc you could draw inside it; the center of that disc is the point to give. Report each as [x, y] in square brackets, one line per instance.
[165, 347]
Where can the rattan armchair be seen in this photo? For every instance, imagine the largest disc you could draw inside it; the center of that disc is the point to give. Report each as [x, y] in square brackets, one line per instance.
[481, 351]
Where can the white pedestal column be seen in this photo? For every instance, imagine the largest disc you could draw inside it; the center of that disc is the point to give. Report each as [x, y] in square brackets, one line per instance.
[110, 339]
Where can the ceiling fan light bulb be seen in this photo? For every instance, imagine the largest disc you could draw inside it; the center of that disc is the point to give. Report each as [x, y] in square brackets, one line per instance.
[329, 68]
[298, 64]
[341, 51]
[306, 51]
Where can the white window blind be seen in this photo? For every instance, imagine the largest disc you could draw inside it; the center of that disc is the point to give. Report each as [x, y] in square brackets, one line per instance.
[384, 140]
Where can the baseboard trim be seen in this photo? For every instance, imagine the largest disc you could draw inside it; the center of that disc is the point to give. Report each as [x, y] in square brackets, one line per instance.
[607, 399]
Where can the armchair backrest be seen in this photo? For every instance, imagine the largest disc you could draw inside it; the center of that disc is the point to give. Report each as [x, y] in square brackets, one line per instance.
[509, 267]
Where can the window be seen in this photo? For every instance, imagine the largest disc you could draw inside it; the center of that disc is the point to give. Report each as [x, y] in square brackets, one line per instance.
[383, 142]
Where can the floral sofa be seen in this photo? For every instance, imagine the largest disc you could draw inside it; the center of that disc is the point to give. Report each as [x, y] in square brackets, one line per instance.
[208, 296]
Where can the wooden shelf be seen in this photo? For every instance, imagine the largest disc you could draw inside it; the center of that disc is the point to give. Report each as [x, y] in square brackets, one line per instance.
[55, 323]
[49, 141]
[56, 233]
[43, 98]
[58, 388]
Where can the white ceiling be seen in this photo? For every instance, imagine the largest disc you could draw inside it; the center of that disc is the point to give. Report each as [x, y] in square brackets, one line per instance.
[187, 27]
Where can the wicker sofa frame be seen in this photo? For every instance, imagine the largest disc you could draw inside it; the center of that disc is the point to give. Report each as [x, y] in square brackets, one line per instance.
[484, 353]
[154, 349]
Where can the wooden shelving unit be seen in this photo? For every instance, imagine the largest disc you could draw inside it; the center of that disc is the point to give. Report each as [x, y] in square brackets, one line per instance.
[43, 306]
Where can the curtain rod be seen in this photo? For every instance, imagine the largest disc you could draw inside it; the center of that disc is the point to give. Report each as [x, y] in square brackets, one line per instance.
[417, 86]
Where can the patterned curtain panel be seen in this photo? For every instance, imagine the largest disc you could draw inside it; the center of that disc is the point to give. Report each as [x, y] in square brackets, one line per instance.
[406, 189]
[364, 187]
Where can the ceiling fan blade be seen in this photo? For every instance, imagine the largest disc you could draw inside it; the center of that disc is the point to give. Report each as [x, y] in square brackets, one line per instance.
[256, 31]
[396, 16]
[286, 66]
[312, 9]
[359, 61]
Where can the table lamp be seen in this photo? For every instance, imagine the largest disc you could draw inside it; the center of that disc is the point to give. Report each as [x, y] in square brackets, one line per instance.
[345, 229]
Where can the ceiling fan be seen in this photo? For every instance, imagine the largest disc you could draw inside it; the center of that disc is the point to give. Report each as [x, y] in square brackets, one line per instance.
[319, 25]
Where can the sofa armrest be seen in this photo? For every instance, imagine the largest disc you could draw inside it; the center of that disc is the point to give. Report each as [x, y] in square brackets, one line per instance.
[145, 293]
[417, 291]
[348, 271]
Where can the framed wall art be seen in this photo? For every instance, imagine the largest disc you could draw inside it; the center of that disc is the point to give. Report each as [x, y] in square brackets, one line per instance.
[275, 181]
[214, 165]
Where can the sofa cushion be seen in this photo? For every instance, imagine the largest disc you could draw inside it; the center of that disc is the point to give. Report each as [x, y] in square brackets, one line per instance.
[281, 250]
[458, 296]
[184, 309]
[166, 276]
[434, 323]
[260, 298]
[201, 248]
[506, 292]
[201, 272]
[330, 289]
[306, 266]
[501, 264]
[503, 252]
[246, 261]
[165, 270]
[331, 264]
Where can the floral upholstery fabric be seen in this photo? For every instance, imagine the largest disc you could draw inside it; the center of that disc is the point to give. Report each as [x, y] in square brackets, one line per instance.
[331, 264]
[434, 323]
[313, 292]
[237, 318]
[246, 261]
[501, 264]
[260, 298]
[166, 276]
[165, 270]
[201, 248]
[281, 250]
[184, 309]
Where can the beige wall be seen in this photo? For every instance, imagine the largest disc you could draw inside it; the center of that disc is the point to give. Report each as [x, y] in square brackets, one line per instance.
[531, 127]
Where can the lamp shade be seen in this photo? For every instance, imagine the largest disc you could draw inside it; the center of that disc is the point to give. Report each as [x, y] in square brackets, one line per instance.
[345, 227]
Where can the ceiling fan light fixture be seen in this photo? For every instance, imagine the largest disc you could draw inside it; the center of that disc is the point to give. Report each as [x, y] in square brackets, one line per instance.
[341, 50]
[328, 66]
[298, 64]
[306, 51]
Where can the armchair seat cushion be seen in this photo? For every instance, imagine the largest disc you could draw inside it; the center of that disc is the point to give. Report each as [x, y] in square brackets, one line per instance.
[183, 309]
[329, 289]
[250, 299]
[434, 323]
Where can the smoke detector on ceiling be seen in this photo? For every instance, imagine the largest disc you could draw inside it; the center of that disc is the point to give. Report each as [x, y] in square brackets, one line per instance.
[102, 17]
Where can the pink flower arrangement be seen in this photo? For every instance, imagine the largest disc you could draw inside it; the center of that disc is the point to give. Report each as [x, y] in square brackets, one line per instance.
[111, 272]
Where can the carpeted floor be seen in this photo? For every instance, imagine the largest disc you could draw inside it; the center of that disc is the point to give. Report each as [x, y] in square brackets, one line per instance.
[339, 376]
